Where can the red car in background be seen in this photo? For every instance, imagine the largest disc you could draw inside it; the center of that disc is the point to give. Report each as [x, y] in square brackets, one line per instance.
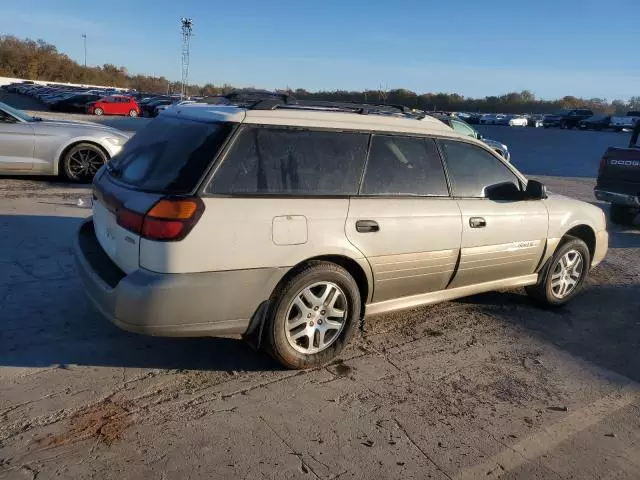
[114, 105]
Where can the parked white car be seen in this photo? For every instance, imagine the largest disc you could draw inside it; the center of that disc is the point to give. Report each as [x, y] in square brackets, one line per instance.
[518, 121]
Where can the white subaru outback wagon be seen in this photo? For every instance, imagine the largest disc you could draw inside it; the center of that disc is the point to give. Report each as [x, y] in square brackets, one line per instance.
[292, 222]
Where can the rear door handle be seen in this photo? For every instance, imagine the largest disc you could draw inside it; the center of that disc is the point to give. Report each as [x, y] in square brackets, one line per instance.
[477, 222]
[366, 226]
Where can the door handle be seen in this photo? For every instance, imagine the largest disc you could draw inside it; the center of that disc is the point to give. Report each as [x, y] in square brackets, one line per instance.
[477, 222]
[366, 226]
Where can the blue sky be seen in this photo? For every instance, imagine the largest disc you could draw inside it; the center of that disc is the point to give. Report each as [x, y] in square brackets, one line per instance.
[587, 48]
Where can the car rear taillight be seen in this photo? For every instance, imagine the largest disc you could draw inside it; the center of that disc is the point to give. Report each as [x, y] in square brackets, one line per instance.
[170, 219]
[603, 163]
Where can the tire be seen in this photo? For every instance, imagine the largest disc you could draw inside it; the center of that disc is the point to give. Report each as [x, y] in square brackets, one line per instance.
[81, 162]
[98, 111]
[547, 292]
[312, 282]
[133, 113]
[622, 215]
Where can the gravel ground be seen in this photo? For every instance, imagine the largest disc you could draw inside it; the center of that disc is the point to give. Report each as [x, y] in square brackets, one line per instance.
[485, 387]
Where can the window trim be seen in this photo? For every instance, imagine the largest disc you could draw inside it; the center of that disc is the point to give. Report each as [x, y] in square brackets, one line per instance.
[197, 188]
[424, 138]
[231, 141]
[521, 179]
[218, 160]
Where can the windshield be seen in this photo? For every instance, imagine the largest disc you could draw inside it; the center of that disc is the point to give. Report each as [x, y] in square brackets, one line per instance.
[17, 113]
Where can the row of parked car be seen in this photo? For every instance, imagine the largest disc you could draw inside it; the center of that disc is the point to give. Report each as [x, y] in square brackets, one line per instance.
[95, 101]
[581, 118]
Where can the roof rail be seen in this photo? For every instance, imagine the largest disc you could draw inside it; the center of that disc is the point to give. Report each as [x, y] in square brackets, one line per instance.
[266, 100]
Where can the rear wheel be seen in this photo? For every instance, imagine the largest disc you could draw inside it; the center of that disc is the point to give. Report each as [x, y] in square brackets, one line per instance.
[82, 161]
[622, 215]
[563, 275]
[313, 315]
[98, 111]
[133, 113]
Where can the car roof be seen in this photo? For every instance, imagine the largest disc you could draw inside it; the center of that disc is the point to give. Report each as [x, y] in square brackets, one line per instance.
[314, 117]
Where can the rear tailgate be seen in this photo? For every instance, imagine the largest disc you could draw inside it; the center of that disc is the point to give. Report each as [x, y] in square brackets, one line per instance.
[620, 171]
[121, 245]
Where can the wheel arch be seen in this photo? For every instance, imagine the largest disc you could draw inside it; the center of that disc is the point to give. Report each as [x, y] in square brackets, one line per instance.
[586, 234]
[358, 269]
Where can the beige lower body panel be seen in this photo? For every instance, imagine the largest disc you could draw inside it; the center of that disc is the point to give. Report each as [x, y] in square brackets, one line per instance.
[414, 301]
[412, 273]
[487, 263]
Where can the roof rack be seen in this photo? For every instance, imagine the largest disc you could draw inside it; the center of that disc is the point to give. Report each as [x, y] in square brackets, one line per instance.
[252, 99]
[266, 100]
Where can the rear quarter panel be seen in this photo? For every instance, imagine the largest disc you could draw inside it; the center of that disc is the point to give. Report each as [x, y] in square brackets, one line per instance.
[251, 233]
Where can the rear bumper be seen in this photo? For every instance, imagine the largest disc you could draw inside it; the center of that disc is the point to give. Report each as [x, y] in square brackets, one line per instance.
[617, 198]
[175, 305]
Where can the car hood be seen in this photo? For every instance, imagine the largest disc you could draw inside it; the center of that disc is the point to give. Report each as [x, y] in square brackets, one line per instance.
[76, 124]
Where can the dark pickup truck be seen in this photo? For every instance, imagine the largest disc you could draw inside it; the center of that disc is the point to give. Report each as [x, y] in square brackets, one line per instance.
[566, 118]
[619, 180]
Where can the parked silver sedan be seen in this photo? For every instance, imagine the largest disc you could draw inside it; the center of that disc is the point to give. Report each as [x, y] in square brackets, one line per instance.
[35, 146]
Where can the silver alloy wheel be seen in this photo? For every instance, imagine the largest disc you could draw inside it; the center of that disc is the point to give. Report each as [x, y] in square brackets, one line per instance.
[98, 111]
[566, 274]
[315, 317]
[85, 163]
[133, 113]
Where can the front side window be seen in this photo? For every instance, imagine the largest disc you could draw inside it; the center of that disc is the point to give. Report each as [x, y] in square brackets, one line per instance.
[404, 166]
[280, 161]
[472, 169]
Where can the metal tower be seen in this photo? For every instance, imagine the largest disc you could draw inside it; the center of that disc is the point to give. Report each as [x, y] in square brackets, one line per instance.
[187, 31]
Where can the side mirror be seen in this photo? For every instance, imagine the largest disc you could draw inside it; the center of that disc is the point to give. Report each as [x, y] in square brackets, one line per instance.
[503, 191]
[535, 190]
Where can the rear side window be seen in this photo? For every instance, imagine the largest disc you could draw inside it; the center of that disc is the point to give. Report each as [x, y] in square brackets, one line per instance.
[404, 166]
[278, 161]
[170, 154]
[471, 169]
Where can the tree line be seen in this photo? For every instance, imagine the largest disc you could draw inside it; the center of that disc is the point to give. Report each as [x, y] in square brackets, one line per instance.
[39, 60]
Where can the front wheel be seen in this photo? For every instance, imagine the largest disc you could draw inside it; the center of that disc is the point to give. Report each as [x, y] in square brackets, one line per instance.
[563, 275]
[313, 315]
[82, 162]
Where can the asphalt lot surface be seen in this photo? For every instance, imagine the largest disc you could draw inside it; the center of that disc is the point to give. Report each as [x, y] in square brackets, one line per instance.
[485, 387]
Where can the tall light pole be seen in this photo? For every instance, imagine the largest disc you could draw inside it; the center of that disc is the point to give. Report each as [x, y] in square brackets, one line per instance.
[84, 36]
[187, 31]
